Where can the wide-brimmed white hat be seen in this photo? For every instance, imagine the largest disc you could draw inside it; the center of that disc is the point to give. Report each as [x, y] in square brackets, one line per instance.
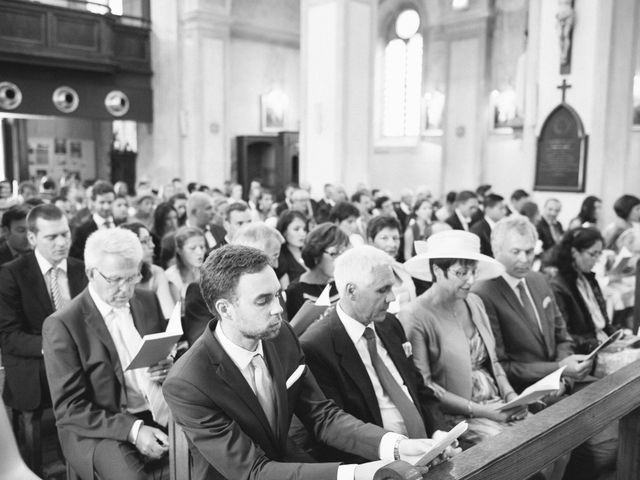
[451, 244]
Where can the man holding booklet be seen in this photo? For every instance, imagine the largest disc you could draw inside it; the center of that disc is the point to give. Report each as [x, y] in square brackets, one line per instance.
[236, 389]
[111, 420]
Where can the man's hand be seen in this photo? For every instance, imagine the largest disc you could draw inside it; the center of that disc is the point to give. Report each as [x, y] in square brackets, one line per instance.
[413, 449]
[366, 471]
[577, 367]
[158, 372]
[152, 442]
[451, 450]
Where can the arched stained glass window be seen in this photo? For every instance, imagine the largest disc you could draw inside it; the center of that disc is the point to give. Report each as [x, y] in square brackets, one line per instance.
[403, 78]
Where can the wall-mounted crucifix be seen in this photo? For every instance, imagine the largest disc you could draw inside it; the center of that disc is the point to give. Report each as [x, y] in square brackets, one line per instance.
[564, 86]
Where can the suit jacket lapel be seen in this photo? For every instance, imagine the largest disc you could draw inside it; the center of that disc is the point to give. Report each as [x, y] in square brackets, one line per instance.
[508, 293]
[277, 375]
[238, 386]
[544, 321]
[34, 277]
[95, 321]
[351, 363]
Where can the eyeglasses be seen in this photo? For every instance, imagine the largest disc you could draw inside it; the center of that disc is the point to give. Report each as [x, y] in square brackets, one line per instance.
[465, 273]
[120, 281]
[335, 254]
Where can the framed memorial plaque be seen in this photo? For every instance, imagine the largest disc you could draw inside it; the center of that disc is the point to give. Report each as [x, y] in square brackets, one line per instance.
[561, 159]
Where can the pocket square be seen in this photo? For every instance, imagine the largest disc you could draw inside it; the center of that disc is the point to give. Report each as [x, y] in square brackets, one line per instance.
[295, 376]
[546, 302]
[406, 346]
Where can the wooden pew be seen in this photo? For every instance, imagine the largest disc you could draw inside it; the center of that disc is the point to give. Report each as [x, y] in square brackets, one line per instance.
[179, 457]
[526, 448]
[636, 305]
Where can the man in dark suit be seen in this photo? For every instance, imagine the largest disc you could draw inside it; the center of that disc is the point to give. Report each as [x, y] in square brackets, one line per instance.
[531, 336]
[336, 349]
[200, 214]
[235, 391]
[102, 197]
[14, 232]
[494, 211]
[465, 208]
[110, 421]
[518, 198]
[549, 228]
[32, 287]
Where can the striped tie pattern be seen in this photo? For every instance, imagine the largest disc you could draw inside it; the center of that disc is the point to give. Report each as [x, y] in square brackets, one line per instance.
[56, 295]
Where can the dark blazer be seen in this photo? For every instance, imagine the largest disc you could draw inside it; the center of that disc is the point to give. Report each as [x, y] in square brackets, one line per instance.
[85, 375]
[574, 309]
[454, 222]
[338, 368]
[24, 304]
[526, 353]
[544, 233]
[80, 238]
[6, 255]
[196, 314]
[482, 229]
[228, 433]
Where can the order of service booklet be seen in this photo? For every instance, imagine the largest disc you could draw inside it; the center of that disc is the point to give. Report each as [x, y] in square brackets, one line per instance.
[543, 387]
[442, 444]
[157, 346]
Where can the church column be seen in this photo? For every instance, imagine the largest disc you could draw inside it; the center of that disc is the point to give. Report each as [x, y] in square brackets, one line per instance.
[337, 52]
[204, 47]
[466, 34]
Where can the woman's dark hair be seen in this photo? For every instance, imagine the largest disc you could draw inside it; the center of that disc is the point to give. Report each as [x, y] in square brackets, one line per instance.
[530, 210]
[581, 239]
[160, 216]
[380, 201]
[445, 264]
[588, 209]
[286, 218]
[319, 239]
[145, 268]
[418, 203]
[343, 210]
[376, 224]
[624, 205]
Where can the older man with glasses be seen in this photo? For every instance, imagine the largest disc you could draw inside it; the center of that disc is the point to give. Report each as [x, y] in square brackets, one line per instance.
[111, 421]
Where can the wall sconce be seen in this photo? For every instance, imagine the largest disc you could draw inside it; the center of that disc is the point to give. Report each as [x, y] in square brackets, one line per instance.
[273, 106]
[459, 4]
[433, 110]
[505, 111]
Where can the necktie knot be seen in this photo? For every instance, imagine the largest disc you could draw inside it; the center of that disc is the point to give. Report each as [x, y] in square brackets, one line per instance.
[369, 334]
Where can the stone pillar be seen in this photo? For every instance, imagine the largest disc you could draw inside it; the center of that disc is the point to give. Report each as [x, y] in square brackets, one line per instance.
[466, 34]
[337, 55]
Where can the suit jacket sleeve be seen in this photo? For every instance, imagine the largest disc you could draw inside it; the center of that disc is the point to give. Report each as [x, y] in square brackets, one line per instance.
[564, 343]
[14, 339]
[70, 391]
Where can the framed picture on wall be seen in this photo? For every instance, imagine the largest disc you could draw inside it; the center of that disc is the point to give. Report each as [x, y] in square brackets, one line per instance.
[272, 108]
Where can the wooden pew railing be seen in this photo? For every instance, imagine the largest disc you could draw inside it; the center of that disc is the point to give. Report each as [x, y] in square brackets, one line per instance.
[526, 448]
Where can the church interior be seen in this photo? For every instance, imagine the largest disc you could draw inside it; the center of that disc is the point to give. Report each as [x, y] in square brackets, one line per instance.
[397, 98]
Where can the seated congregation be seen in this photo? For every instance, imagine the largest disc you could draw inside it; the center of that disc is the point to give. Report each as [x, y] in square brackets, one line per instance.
[417, 315]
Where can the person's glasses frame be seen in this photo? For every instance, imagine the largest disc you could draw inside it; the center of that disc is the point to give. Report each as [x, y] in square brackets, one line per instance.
[119, 281]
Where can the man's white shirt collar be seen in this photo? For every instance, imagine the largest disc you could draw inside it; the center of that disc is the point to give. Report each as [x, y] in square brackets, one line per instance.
[354, 328]
[513, 281]
[45, 265]
[490, 222]
[462, 218]
[240, 356]
[100, 221]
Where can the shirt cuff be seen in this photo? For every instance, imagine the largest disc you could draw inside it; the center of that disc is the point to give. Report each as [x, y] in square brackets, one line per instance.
[387, 444]
[346, 472]
[135, 429]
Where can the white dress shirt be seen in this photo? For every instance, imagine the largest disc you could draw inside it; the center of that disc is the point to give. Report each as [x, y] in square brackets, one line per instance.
[463, 220]
[63, 279]
[133, 380]
[242, 359]
[391, 418]
[513, 283]
[101, 221]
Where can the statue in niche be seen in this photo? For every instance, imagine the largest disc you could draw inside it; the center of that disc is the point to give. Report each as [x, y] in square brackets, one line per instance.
[565, 20]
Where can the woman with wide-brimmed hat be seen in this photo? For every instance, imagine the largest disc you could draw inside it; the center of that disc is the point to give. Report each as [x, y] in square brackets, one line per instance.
[450, 334]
